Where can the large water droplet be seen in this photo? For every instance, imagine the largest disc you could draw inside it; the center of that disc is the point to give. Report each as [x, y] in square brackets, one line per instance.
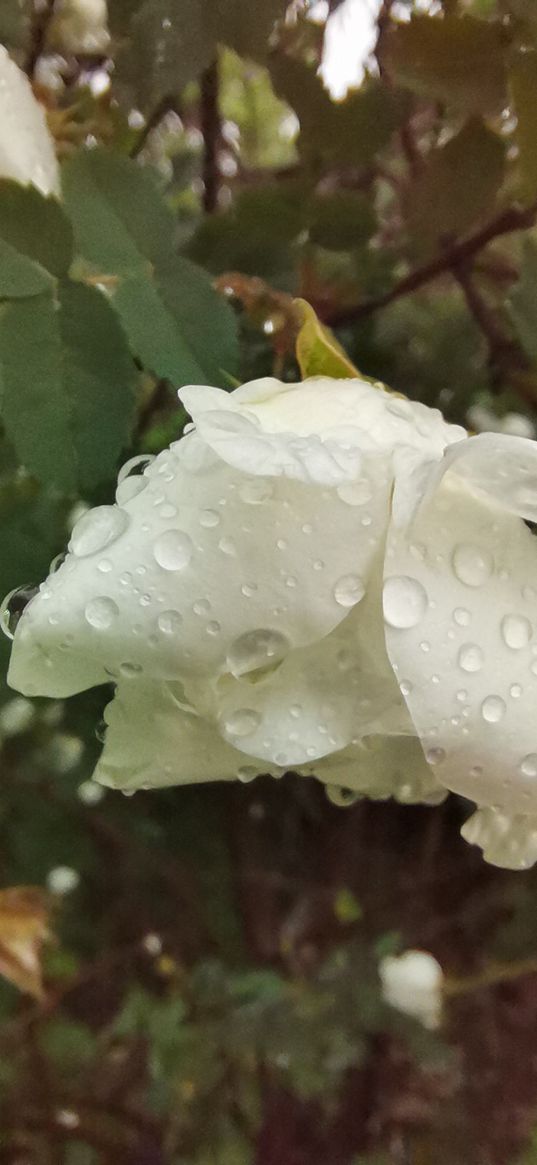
[493, 709]
[101, 613]
[435, 756]
[256, 649]
[13, 606]
[97, 529]
[208, 519]
[404, 601]
[173, 550]
[349, 590]
[241, 722]
[470, 657]
[130, 480]
[472, 565]
[528, 766]
[516, 631]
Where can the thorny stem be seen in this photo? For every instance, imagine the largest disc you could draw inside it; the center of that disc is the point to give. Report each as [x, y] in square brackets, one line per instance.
[490, 977]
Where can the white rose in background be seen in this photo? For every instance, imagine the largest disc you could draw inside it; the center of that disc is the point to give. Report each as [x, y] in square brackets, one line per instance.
[319, 577]
[26, 146]
[413, 983]
[79, 27]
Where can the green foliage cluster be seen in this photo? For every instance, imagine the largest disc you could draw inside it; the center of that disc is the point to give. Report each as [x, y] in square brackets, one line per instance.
[212, 997]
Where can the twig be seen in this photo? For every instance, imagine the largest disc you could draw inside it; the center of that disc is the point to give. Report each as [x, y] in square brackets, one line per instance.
[40, 25]
[211, 130]
[452, 259]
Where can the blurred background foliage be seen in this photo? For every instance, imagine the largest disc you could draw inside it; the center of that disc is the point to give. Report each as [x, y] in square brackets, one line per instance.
[191, 976]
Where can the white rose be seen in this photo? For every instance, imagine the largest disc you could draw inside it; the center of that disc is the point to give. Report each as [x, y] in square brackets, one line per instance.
[26, 147]
[80, 26]
[413, 983]
[321, 577]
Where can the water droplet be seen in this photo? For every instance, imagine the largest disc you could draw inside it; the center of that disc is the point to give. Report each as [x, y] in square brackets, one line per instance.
[100, 731]
[472, 565]
[256, 490]
[470, 658]
[435, 756]
[130, 670]
[425, 646]
[461, 616]
[201, 607]
[213, 628]
[241, 722]
[281, 544]
[515, 691]
[169, 622]
[355, 493]
[97, 529]
[405, 687]
[168, 511]
[247, 773]
[462, 695]
[209, 519]
[528, 766]
[101, 612]
[349, 590]
[516, 631]
[493, 709]
[227, 546]
[125, 578]
[256, 649]
[295, 711]
[105, 566]
[404, 601]
[58, 561]
[248, 589]
[307, 528]
[173, 550]
[13, 607]
[341, 796]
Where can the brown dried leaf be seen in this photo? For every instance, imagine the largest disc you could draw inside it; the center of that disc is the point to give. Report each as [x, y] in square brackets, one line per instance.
[24, 918]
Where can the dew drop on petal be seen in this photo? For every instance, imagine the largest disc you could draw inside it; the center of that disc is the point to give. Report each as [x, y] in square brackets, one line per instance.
[404, 601]
[101, 613]
[470, 657]
[241, 722]
[208, 519]
[515, 691]
[134, 467]
[493, 709]
[341, 796]
[349, 590]
[435, 756]
[97, 529]
[169, 622]
[472, 565]
[461, 616]
[260, 648]
[13, 606]
[130, 670]
[173, 550]
[528, 766]
[247, 773]
[516, 631]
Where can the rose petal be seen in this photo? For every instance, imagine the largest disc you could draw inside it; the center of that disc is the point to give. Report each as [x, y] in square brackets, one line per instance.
[155, 738]
[460, 624]
[509, 841]
[26, 146]
[168, 582]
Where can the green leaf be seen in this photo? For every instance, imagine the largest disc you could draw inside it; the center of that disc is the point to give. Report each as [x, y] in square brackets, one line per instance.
[523, 301]
[459, 60]
[67, 379]
[317, 351]
[523, 83]
[246, 27]
[121, 223]
[99, 379]
[35, 226]
[34, 407]
[19, 276]
[457, 186]
[177, 325]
